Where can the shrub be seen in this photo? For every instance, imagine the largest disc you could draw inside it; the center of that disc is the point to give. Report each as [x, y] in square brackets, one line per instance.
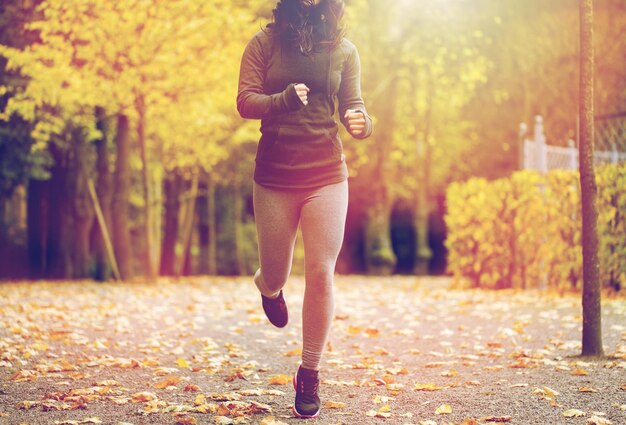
[525, 231]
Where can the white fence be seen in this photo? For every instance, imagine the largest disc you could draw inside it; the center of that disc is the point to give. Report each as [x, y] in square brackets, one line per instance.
[537, 155]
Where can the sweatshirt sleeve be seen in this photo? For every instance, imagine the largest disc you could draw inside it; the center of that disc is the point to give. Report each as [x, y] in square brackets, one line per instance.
[252, 101]
[349, 94]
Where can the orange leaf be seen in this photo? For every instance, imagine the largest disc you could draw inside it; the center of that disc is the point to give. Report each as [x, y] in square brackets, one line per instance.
[372, 332]
[143, 396]
[186, 420]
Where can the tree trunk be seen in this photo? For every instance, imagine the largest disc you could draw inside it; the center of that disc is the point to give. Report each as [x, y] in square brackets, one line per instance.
[212, 225]
[59, 246]
[187, 229]
[104, 189]
[240, 267]
[423, 253]
[592, 317]
[149, 259]
[83, 211]
[172, 185]
[37, 207]
[121, 226]
[207, 230]
[203, 223]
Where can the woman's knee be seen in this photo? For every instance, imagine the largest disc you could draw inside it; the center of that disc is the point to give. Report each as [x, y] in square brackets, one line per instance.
[274, 281]
[320, 275]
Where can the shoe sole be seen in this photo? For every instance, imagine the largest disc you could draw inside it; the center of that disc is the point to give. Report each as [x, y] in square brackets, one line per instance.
[293, 407]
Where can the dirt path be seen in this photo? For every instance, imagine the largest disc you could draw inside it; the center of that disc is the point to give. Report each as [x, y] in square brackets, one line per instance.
[402, 351]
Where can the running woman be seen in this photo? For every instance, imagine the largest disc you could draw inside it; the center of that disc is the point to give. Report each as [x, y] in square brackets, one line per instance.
[292, 72]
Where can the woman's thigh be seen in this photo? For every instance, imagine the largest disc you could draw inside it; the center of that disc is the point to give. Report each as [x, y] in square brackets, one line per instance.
[276, 214]
[323, 218]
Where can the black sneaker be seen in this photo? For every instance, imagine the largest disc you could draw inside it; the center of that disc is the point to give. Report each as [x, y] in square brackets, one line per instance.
[306, 383]
[276, 310]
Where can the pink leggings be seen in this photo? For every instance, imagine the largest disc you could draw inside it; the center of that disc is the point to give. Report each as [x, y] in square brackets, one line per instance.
[321, 212]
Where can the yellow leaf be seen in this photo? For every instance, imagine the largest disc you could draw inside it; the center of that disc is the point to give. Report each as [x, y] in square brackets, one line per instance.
[353, 330]
[169, 381]
[296, 352]
[27, 404]
[280, 379]
[108, 383]
[181, 362]
[573, 413]
[444, 409]
[427, 387]
[206, 408]
[200, 399]
[579, 372]
[375, 414]
[334, 404]
[596, 420]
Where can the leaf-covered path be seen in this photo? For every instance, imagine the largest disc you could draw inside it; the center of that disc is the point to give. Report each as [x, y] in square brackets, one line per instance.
[402, 351]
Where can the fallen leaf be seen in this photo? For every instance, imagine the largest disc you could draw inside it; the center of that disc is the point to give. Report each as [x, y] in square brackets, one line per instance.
[579, 372]
[573, 413]
[270, 420]
[186, 420]
[377, 414]
[596, 420]
[181, 362]
[444, 409]
[92, 420]
[142, 397]
[372, 332]
[280, 379]
[427, 387]
[108, 383]
[499, 419]
[171, 380]
[334, 404]
[27, 404]
[296, 352]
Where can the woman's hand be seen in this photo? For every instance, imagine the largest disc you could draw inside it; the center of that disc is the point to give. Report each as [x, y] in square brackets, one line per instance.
[303, 92]
[356, 121]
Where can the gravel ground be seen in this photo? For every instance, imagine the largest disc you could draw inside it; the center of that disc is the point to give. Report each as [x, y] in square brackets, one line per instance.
[402, 350]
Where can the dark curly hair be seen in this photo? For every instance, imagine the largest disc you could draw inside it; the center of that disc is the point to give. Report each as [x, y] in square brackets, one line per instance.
[294, 21]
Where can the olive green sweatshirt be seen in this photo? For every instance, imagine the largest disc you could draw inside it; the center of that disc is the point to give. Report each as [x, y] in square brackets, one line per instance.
[299, 146]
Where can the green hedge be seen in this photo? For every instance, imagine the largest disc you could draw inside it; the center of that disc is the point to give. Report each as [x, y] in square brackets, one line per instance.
[525, 231]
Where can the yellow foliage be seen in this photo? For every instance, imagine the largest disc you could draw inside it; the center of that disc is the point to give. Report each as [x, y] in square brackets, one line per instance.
[525, 231]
